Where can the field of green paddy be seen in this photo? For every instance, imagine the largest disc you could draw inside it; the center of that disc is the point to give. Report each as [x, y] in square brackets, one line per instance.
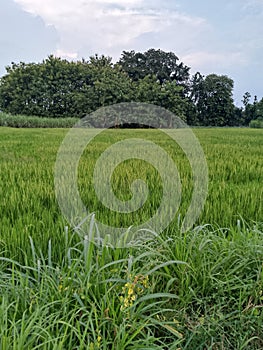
[201, 289]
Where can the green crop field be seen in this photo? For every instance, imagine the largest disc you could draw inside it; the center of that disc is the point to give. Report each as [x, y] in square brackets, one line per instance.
[200, 289]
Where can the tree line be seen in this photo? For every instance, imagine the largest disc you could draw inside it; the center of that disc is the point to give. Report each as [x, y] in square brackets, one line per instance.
[59, 88]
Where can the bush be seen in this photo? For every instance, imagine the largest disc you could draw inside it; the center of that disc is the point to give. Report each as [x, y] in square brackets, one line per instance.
[257, 123]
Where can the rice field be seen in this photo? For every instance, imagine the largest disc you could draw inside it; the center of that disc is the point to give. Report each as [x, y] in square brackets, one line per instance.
[200, 289]
[28, 205]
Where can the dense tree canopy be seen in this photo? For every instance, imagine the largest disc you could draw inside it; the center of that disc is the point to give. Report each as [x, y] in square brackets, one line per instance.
[160, 64]
[59, 88]
[213, 99]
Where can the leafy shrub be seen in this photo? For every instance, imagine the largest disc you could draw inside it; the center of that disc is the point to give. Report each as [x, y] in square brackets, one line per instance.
[257, 123]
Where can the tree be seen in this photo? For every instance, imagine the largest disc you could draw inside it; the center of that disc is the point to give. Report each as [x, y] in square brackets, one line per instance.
[259, 109]
[250, 109]
[160, 64]
[44, 89]
[196, 95]
[58, 88]
[213, 99]
[110, 86]
[167, 95]
[246, 98]
[100, 61]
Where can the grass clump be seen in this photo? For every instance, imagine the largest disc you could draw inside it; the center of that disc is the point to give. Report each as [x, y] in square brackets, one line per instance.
[195, 290]
[22, 121]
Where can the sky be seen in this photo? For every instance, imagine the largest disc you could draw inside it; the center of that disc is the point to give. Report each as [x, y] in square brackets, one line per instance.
[223, 37]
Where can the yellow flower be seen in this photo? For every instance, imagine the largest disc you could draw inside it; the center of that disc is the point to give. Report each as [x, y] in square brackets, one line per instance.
[132, 289]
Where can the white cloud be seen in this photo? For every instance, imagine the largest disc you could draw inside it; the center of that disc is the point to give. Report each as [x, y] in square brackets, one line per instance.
[66, 55]
[224, 38]
[205, 61]
[108, 26]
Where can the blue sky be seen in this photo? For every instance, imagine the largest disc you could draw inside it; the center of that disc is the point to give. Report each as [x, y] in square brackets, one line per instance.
[222, 37]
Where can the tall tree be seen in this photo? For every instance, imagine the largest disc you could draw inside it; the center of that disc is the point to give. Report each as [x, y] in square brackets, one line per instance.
[100, 61]
[163, 65]
[167, 95]
[249, 109]
[213, 98]
[259, 109]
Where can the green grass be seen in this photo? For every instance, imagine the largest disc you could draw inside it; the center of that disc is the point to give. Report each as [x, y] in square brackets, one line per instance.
[22, 121]
[202, 289]
[28, 205]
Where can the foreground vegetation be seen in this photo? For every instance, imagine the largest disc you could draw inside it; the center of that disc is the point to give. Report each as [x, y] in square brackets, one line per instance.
[200, 289]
